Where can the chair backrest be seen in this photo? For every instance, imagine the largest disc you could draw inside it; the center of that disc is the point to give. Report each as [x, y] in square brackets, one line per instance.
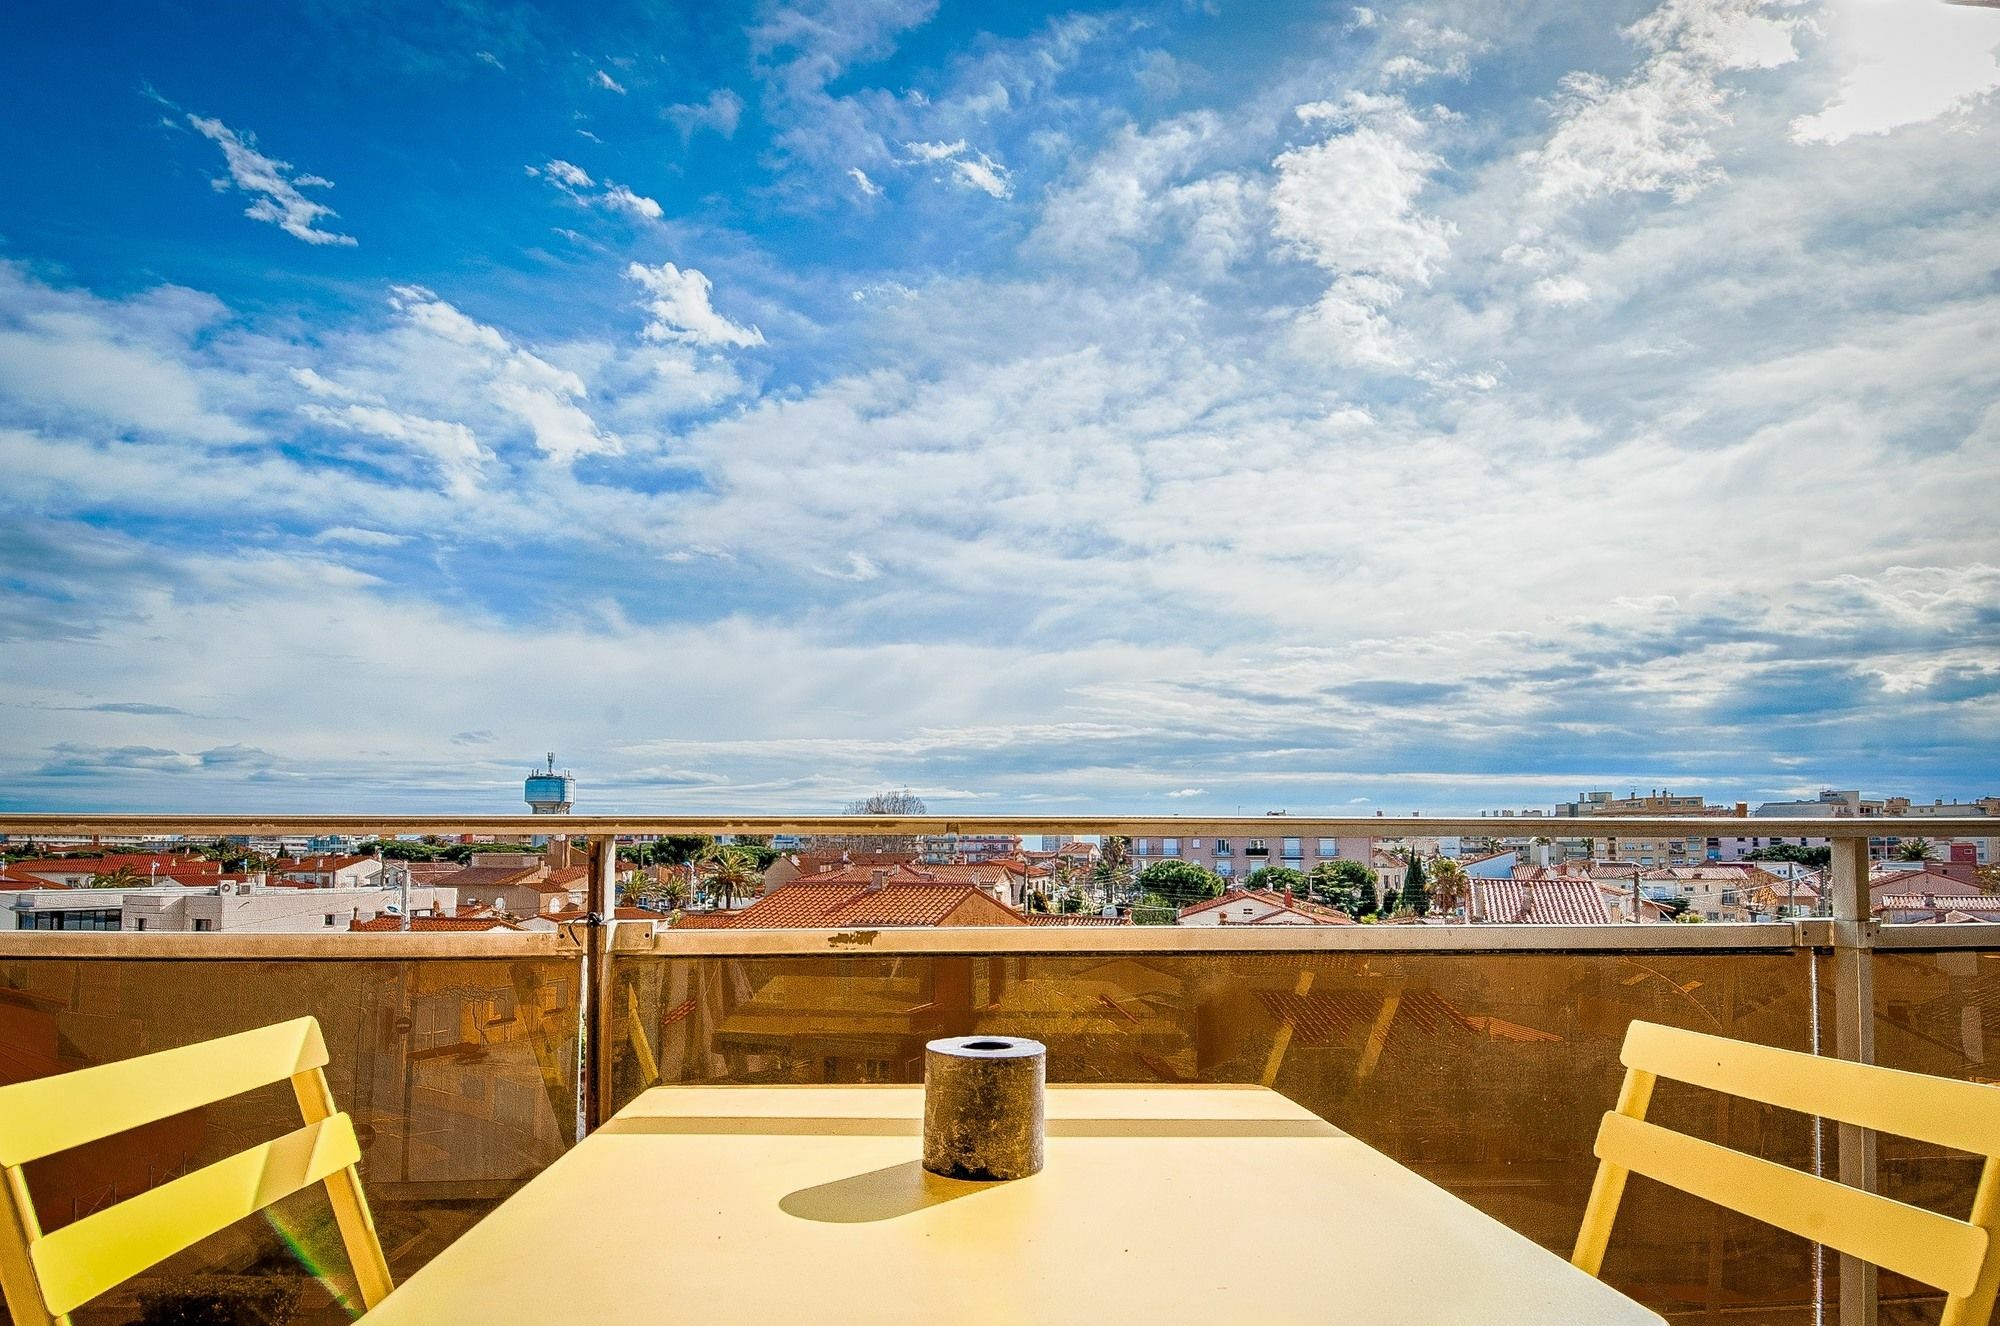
[1961, 1257]
[46, 1276]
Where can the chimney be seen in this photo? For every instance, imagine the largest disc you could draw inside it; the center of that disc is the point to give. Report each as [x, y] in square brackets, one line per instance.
[556, 854]
[876, 879]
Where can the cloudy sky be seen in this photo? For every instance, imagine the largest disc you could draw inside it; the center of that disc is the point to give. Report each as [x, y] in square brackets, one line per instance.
[1166, 406]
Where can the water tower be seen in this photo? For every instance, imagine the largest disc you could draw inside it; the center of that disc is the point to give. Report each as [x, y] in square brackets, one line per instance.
[549, 792]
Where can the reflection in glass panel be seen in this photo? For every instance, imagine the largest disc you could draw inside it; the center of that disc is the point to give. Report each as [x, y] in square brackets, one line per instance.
[1936, 1013]
[460, 1076]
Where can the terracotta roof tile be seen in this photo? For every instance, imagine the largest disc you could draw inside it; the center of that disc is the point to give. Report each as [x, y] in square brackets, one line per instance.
[811, 904]
[380, 925]
[1073, 918]
[1538, 902]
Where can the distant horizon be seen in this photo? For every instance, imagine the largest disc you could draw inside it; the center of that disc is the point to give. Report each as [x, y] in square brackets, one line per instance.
[1124, 407]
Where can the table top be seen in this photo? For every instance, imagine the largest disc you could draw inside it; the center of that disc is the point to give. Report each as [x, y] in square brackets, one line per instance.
[1156, 1205]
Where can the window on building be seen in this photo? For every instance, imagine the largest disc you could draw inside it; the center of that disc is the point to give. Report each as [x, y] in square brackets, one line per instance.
[1329, 847]
[1170, 847]
[203, 923]
[142, 923]
[80, 919]
[329, 918]
[1140, 846]
[1222, 847]
[1225, 868]
[1293, 849]
[1256, 847]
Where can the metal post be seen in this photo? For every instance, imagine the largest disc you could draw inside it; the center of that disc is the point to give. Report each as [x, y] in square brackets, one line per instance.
[1854, 1039]
[602, 919]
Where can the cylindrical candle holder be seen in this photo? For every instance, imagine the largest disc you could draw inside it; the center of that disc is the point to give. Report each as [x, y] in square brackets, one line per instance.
[983, 1107]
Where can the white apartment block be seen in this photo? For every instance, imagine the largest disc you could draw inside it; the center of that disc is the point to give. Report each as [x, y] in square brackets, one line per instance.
[1236, 857]
[230, 907]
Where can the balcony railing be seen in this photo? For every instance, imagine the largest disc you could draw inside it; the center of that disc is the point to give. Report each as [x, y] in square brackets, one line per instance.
[1479, 1056]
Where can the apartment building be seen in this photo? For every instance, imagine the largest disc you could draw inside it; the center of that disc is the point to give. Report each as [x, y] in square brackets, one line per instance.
[1641, 850]
[1238, 856]
[231, 905]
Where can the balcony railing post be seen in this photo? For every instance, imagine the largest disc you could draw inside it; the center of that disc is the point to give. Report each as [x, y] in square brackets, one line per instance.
[1854, 1039]
[602, 921]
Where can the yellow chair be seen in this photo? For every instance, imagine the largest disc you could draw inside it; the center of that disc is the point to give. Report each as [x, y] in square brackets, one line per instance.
[1961, 1257]
[45, 1276]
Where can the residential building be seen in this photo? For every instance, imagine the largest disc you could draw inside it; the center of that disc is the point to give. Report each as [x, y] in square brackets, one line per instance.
[1237, 857]
[230, 905]
[1566, 901]
[1006, 882]
[965, 848]
[1260, 907]
[879, 901]
[330, 871]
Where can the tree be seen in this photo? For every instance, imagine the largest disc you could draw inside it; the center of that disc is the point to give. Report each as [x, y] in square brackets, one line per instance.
[1451, 887]
[1180, 882]
[1038, 901]
[1345, 885]
[898, 803]
[1819, 858]
[679, 849]
[729, 870]
[1915, 849]
[124, 877]
[1282, 878]
[671, 892]
[1114, 865]
[1391, 900]
[1070, 902]
[1152, 909]
[1416, 889]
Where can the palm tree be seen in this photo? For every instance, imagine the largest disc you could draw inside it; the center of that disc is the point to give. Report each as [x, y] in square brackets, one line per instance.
[1114, 864]
[729, 869]
[1451, 887]
[122, 878]
[1915, 849]
[672, 891]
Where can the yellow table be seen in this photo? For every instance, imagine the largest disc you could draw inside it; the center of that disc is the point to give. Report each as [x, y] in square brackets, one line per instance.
[1158, 1205]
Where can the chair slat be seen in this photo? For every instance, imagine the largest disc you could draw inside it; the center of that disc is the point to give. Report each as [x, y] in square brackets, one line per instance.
[52, 1114]
[1962, 1115]
[1924, 1245]
[80, 1261]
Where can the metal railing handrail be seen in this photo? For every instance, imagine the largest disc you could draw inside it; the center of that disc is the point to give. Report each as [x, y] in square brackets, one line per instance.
[30, 825]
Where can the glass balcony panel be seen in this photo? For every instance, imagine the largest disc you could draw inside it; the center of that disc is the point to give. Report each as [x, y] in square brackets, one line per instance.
[460, 1075]
[1937, 1013]
[1487, 1073]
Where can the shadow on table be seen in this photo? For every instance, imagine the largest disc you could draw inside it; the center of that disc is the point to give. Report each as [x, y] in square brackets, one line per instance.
[880, 1194]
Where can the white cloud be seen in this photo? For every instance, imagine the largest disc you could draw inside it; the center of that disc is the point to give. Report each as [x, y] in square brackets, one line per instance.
[1187, 792]
[1348, 203]
[1562, 291]
[607, 82]
[1648, 133]
[1149, 186]
[277, 190]
[869, 188]
[453, 447]
[575, 181]
[530, 389]
[1906, 63]
[969, 166]
[681, 311]
[140, 364]
[720, 111]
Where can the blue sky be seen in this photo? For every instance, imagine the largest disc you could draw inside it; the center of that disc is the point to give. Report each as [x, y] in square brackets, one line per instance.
[1145, 407]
